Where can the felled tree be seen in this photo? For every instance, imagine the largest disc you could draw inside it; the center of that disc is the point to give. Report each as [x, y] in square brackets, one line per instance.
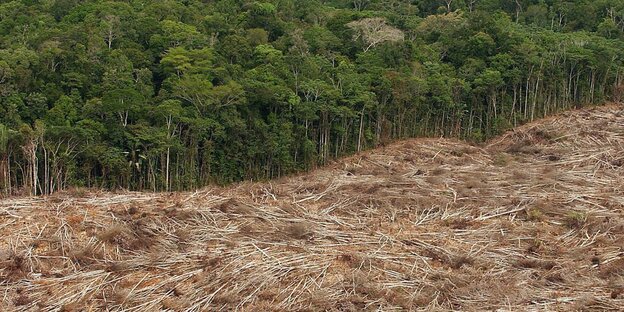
[374, 31]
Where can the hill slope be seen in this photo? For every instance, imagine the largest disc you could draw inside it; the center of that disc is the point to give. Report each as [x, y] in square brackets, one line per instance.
[534, 220]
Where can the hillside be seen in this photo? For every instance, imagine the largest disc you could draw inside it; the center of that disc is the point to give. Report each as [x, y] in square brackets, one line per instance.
[175, 95]
[534, 220]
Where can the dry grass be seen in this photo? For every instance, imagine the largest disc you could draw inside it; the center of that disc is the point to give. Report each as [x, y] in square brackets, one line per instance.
[534, 221]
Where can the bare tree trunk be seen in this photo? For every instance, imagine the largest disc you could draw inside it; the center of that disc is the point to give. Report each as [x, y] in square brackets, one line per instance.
[535, 95]
[46, 171]
[513, 105]
[526, 95]
[471, 4]
[448, 5]
[9, 173]
[592, 85]
[518, 10]
[361, 131]
[168, 188]
[35, 170]
[3, 169]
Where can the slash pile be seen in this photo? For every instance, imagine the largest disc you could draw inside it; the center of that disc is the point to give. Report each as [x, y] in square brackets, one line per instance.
[532, 221]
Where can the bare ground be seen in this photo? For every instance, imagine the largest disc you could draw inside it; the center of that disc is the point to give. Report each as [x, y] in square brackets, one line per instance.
[532, 221]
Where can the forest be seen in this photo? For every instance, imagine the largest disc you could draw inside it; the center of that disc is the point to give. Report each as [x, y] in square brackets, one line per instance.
[163, 95]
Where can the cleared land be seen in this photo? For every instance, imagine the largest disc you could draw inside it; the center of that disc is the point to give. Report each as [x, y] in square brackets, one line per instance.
[532, 221]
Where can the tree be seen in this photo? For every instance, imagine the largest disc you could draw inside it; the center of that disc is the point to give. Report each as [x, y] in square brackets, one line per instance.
[448, 5]
[257, 36]
[171, 111]
[110, 29]
[488, 82]
[5, 171]
[121, 103]
[321, 40]
[472, 4]
[176, 34]
[64, 112]
[359, 5]
[374, 31]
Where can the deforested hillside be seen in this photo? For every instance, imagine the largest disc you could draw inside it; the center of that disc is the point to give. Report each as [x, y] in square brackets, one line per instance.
[533, 220]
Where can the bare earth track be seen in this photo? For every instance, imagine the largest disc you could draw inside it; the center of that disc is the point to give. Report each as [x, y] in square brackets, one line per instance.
[532, 221]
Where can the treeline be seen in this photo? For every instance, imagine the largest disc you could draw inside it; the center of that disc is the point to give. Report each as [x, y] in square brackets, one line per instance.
[172, 95]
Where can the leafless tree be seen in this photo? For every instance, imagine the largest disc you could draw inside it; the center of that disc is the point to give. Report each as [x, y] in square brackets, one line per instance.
[448, 5]
[374, 31]
[359, 5]
[471, 5]
[518, 9]
[110, 24]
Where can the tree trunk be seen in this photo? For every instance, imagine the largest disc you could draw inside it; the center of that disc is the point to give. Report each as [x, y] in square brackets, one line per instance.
[361, 131]
[167, 187]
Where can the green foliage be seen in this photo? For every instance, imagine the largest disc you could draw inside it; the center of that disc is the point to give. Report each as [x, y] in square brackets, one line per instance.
[64, 112]
[171, 95]
[575, 219]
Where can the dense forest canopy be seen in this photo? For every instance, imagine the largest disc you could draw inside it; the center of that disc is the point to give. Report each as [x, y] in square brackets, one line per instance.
[171, 95]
